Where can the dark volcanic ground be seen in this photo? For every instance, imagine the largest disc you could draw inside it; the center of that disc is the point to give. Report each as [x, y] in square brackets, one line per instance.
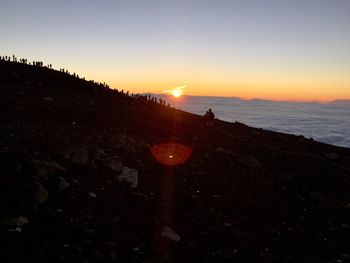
[245, 194]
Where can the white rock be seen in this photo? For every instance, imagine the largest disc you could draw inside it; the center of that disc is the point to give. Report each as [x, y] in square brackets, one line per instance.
[129, 175]
[171, 234]
[17, 229]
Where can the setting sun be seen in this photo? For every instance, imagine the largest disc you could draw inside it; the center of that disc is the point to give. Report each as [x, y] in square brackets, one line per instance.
[176, 92]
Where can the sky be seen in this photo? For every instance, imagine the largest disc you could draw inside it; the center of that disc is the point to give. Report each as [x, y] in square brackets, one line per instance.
[270, 49]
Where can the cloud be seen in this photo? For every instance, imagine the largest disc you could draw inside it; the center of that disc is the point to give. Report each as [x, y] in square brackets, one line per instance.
[328, 123]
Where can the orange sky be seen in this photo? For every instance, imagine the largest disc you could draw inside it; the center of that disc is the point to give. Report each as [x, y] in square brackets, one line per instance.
[271, 49]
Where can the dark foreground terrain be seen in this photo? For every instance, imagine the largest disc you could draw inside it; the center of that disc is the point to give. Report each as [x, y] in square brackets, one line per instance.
[245, 195]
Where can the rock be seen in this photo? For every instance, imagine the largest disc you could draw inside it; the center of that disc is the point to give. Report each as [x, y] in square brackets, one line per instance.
[224, 255]
[15, 221]
[220, 149]
[120, 138]
[113, 256]
[48, 99]
[17, 229]
[171, 234]
[114, 162]
[90, 231]
[346, 206]
[77, 155]
[33, 193]
[93, 195]
[251, 162]
[316, 196]
[75, 181]
[129, 175]
[95, 156]
[46, 170]
[41, 195]
[59, 184]
[333, 156]
[95, 256]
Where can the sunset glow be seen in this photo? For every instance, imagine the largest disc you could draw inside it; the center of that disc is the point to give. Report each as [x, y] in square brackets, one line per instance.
[176, 92]
[279, 50]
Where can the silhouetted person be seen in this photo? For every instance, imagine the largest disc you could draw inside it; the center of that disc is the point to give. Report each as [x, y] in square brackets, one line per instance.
[209, 119]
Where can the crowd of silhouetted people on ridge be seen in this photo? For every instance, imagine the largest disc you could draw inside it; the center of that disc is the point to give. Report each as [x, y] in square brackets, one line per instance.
[147, 98]
[144, 98]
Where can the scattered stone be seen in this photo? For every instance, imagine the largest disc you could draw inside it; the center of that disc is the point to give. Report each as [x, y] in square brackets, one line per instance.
[90, 231]
[95, 256]
[227, 224]
[77, 155]
[129, 175]
[48, 99]
[171, 234]
[333, 156]
[46, 170]
[120, 138]
[224, 255]
[95, 157]
[15, 221]
[17, 229]
[75, 181]
[93, 195]
[136, 249]
[110, 244]
[113, 256]
[60, 184]
[251, 162]
[114, 163]
[41, 195]
[316, 196]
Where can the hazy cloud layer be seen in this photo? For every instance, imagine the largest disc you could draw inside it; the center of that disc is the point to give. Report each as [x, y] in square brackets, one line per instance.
[329, 123]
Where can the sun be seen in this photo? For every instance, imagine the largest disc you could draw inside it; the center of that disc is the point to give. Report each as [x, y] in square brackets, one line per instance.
[176, 92]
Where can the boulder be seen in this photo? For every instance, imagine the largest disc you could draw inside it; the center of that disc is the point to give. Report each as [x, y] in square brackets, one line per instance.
[15, 221]
[170, 234]
[77, 155]
[48, 99]
[45, 170]
[59, 184]
[113, 162]
[95, 157]
[41, 195]
[129, 175]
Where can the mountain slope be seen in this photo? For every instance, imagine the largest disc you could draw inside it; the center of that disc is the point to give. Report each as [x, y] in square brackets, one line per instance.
[245, 194]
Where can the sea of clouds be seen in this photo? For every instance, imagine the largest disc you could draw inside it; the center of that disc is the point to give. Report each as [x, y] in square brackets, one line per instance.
[329, 123]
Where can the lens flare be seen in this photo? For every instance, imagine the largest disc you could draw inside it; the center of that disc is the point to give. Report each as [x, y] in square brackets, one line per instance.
[176, 92]
[171, 154]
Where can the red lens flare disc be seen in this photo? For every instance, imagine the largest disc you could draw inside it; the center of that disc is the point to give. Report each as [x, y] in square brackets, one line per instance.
[171, 154]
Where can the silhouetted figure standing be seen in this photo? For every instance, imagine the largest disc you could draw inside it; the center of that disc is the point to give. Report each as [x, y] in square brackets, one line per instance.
[208, 122]
[209, 118]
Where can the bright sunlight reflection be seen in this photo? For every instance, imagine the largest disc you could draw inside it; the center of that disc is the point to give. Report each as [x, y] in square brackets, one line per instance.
[176, 92]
